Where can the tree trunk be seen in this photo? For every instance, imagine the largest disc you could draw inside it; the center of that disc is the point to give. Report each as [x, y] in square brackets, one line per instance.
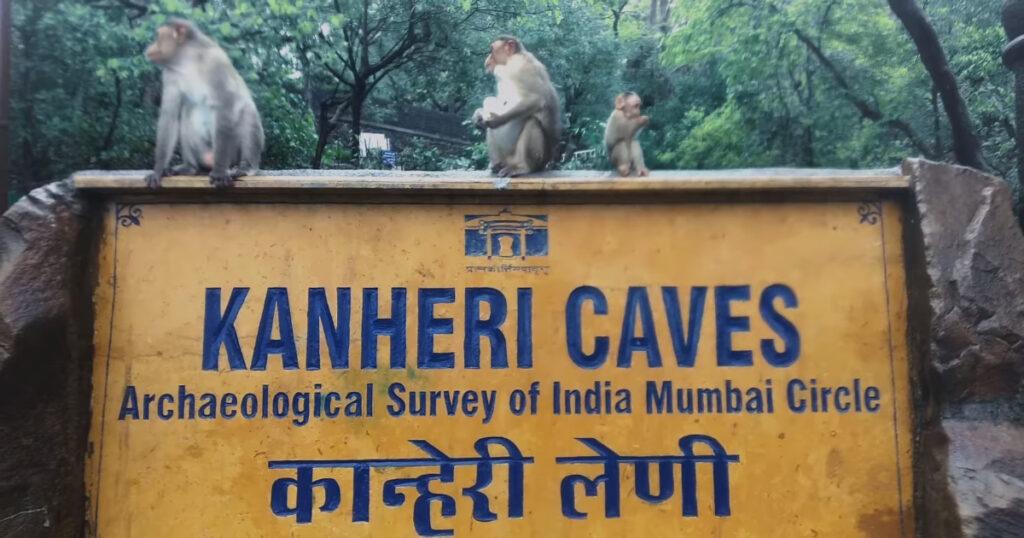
[1013, 57]
[358, 99]
[936, 121]
[115, 116]
[5, 100]
[966, 145]
[324, 130]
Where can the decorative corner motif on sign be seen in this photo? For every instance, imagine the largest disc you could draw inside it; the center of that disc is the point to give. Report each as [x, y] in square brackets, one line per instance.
[129, 215]
[870, 212]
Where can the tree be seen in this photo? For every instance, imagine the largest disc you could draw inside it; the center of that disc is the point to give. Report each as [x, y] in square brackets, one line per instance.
[966, 145]
[362, 42]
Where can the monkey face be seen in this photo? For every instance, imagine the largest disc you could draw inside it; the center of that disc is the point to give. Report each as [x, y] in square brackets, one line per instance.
[169, 39]
[633, 106]
[629, 103]
[501, 50]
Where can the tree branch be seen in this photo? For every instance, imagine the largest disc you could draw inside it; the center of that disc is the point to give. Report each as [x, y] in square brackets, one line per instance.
[966, 145]
[108, 140]
[867, 109]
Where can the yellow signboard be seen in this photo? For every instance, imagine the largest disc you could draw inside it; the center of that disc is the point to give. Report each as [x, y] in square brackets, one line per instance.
[351, 369]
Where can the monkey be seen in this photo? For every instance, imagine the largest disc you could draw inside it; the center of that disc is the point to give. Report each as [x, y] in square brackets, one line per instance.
[620, 135]
[523, 133]
[206, 109]
[501, 141]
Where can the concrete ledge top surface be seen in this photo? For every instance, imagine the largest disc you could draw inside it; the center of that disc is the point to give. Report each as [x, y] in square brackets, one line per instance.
[767, 179]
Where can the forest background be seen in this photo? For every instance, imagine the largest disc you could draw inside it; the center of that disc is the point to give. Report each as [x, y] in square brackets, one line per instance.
[727, 83]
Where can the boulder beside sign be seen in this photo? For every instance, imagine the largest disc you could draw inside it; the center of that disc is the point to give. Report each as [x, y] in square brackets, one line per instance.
[467, 368]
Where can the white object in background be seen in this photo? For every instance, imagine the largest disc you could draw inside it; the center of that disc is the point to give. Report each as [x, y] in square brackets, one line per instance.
[368, 141]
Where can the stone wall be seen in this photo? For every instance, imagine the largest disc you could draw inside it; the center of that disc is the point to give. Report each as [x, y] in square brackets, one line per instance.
[969, 288]
[46, 248]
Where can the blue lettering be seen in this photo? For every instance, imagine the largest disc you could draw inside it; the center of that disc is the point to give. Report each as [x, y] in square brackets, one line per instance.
[798, 404]
[207, 405]
[275, 307]
[331, 400]
[574, 329]
[129, 404]
[219, 329]
[374, 327]
[637, 302]
[147, 403]
[319, 316]
[161, 411]
[871, 399]
[685, 341]
[782, 326]
[489, 328]
[186, 400]
[726, 324]
[227, 405]
[250, 403]
[842, 399]
[429, 326]
[524, 328]
[395, 392]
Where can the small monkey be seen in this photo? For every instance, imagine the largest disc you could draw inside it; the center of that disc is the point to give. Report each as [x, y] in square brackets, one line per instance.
[206, 109]
[523, 121]
[620, 135]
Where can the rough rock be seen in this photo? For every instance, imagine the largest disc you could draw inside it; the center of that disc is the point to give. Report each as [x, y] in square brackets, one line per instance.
[975, 262]
[986, 461]
[969, 472]
[46, 281]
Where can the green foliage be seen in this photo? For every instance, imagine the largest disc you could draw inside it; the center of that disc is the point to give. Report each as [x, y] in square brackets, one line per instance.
[726, 83]
[337, 156]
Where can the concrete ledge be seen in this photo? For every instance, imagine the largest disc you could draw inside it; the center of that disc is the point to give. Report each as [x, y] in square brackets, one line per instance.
[468, 181]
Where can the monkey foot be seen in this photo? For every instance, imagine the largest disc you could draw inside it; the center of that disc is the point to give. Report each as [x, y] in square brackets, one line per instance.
[221, 181]
[153, 180]
[184, 170]
[513, 171]
[240, 172]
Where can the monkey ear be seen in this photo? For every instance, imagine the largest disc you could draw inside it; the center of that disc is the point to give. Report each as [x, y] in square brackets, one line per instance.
[620, 102]
[182, 32]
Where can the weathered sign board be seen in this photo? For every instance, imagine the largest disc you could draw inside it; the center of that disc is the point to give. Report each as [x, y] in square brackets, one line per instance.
[442, 362]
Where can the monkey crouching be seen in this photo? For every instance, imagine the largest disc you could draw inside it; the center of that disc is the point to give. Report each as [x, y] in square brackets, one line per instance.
[206, 110]
[620, 135]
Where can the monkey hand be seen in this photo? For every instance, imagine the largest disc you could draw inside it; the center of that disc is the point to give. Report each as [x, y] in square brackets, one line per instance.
[153, 179]
[643, 172]
[221, 180]
[478, 119]
[643, 120]
[492, 122]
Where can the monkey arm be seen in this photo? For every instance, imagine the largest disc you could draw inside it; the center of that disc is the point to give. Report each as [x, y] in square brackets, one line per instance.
[527, 106]
[637, 123]
[167, 128]
[225, 136]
